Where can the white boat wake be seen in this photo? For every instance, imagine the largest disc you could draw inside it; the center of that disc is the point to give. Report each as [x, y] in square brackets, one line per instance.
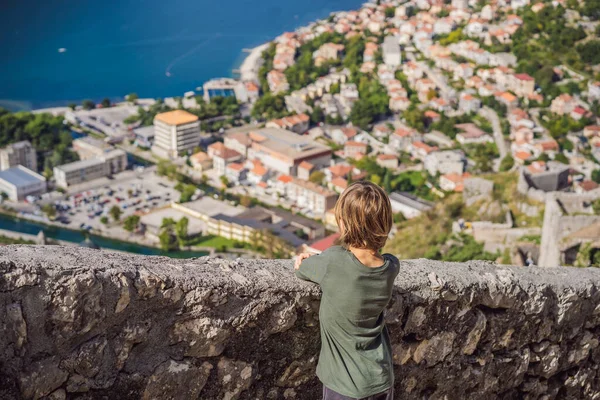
[188, 53]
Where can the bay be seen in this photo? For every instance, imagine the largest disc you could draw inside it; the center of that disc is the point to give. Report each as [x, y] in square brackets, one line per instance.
[155, 48]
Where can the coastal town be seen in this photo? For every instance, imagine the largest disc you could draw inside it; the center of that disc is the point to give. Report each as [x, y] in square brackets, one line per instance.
[480, 119]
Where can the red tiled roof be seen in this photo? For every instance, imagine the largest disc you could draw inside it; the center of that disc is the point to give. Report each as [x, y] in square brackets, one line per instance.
[306, 165]
[340, 170]
[285, 178]
[522, 155]
[339, 183]
[235, 166]
[588, 185]
[349, 132]
[355, 144]
[524, 77]
[325, 243]
[259, 170]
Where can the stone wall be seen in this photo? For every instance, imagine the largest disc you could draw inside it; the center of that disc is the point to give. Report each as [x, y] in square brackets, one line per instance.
[85, 324]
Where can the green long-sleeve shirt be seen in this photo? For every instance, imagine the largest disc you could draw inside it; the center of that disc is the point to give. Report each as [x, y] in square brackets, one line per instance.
[356, 356]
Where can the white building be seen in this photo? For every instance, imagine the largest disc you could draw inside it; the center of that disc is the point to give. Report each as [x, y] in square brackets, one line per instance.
[94, 168]
[409, 205]
[593, 90]
[225, 87]
[445, 162]
[310, 195]
[19, 182]
[175, 133]
[392, 56]
[20, 153]
[460, 4]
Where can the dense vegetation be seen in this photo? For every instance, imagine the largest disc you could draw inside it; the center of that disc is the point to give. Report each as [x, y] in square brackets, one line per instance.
[50, 137]
[373, 103]
[146, 117]
[305, 71]
[218, 106]
[546, 39]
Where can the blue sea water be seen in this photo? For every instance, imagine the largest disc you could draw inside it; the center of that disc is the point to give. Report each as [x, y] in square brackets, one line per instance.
[118, 47]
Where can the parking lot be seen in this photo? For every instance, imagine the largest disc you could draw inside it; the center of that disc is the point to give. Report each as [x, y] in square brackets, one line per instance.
[109, 121]
[131, 193]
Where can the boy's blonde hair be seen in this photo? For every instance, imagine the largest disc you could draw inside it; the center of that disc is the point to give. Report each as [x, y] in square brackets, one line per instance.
[364, 214]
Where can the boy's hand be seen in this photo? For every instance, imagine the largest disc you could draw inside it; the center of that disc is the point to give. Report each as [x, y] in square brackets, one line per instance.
[300, 258]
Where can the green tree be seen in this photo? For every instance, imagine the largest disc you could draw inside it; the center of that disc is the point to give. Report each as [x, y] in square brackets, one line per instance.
[507, 163]
[50, 211]
[131, 223]
[561, 158]
[270, 106]
[467, 249]
[317, 115]
[317, 177]
[596, 207]
[390, 12]
[181, 230]
[146, 117]
[387, 181]
[453, 37]
[483, 155]
[224, 181]
[167, 223]
[133, 97]
[104, 220]
[596, 175]
[414, 118]
[187, 191]
[106, 102]
[590, 51]
[72, 106]
[115, 212]
[168, 240]
[591, 8]
[88, 104]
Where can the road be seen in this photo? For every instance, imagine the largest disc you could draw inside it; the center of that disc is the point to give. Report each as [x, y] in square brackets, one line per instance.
[535, 114]
[447, 92]
[491, 115]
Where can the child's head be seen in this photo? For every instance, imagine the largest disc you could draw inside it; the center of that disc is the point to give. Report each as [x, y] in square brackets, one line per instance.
[364, 215]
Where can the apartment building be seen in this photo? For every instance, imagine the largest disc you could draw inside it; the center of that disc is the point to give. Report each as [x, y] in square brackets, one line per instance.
[392, 57]
[280, 150]
[176, 133]
[277, 82]
[310, 195]
[223, 156]
[20, 153]
[108, 164]
[445, 162]
[295, 123]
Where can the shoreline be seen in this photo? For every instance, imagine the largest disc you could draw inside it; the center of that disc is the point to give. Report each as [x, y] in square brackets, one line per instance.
[92, 234]
[248, 71]
[252, 63]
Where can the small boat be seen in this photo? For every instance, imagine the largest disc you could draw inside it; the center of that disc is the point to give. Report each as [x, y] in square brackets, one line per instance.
[167, 73]
[62, 50]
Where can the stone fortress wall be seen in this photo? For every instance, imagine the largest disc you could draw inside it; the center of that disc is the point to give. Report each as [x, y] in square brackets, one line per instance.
[87, 324]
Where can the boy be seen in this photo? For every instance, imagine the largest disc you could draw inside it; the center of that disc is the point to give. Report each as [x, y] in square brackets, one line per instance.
[357, 282]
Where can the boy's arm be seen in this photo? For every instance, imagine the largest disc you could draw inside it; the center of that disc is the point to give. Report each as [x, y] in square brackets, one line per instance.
[311, 268]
